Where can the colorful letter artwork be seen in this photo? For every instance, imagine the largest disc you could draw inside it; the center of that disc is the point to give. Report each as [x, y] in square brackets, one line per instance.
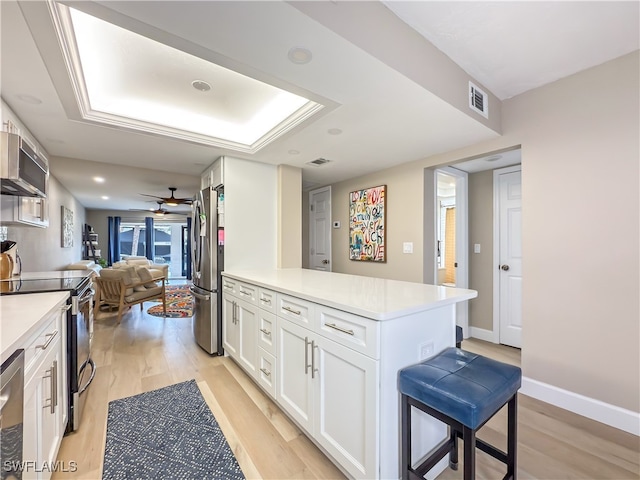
[366, 224]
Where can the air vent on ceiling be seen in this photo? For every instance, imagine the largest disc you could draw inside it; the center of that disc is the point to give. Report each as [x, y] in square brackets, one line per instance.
[318, 162]
[478, 100]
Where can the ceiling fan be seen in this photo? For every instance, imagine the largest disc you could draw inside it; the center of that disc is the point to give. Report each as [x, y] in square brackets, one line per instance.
[171, 201]
[159, 211]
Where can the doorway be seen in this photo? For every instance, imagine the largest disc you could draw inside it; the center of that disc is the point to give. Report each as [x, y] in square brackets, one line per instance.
[320, 229]
[452, 268]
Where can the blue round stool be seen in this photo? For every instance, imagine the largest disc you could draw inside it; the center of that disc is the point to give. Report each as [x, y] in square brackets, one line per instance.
[463, 390]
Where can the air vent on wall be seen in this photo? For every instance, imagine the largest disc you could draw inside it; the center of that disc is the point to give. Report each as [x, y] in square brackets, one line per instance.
[478, 100]
[318, 161]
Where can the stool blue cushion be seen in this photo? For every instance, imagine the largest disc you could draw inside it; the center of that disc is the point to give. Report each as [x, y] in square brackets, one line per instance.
[467, 387]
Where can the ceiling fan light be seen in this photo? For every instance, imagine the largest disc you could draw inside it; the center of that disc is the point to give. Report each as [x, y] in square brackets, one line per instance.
[172, 204]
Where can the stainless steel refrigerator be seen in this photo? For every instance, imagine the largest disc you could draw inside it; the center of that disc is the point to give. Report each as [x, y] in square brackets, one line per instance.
[207, 258]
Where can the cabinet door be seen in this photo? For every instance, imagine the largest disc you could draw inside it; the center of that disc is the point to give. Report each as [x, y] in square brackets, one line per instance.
[43, 413]
[230, 328]
[52, 410]
[31, 436]
[346, 415]
[248, 323]
[293, 381]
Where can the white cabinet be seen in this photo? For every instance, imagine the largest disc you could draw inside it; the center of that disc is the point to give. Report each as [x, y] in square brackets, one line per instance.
[332, 392]
[29, 211]
[248, 345]
[293, 388]
[45, 404]
[230, 325]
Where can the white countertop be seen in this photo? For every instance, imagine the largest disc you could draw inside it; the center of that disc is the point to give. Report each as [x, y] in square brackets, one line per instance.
[20, 316]
[375, 298]
[52, 274]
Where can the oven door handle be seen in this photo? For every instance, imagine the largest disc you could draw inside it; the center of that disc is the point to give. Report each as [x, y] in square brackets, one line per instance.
[93, 374]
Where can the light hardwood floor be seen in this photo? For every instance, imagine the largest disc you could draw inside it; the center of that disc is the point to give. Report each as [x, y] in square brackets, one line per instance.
[145, 352]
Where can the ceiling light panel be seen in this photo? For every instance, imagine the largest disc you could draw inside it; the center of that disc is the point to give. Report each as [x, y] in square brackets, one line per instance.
[119, 72]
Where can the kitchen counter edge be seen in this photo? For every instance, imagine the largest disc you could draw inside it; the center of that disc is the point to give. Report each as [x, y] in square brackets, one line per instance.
[393, 298]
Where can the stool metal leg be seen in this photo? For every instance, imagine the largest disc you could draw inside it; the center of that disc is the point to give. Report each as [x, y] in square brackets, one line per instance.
[453, 454]
[512, 437]
[406, 436]
[469, 439]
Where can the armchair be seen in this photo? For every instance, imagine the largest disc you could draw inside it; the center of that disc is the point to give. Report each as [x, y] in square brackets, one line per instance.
[124, 287]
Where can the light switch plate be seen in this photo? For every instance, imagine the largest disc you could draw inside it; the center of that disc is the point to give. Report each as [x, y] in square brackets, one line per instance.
[476, 248]
[407, 247]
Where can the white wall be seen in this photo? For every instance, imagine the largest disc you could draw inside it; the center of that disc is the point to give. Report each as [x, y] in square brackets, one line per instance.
[580, 139]
[251, 222]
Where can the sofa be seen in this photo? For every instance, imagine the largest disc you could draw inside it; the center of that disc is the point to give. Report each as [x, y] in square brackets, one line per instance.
[84, 265]
[156, 269]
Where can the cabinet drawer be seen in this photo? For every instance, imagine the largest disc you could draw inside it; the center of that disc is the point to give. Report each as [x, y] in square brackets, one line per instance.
[248, 292]
[47, 336]
[267, 331]
[267, 372]
[360, 334]
[295, 309]
[267, 299]
[230, 286]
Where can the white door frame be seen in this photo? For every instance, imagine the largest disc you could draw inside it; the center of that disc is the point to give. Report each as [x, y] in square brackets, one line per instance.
[312, 230]
[462, 239]
[496, 247]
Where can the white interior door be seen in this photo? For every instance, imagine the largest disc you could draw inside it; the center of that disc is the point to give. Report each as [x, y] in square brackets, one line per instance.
[320, 229]
[509, 237]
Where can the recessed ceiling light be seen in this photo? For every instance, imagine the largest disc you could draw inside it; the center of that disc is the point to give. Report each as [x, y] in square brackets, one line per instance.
[294, 152]
[104, 197]
[300, 55]
[98, 179]
[201, 85]
[493, 158]
[30, 99]
[334, 131]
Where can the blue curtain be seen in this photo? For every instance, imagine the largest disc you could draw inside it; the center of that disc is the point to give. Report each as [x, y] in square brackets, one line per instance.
[113, 252]
[188, 248]
[149, 237]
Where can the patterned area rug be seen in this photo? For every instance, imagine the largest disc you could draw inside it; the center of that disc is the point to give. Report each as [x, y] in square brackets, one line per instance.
[179, 303]
[168, 433]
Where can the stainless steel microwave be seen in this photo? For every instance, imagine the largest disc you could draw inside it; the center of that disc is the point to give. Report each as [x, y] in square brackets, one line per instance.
[22, 171]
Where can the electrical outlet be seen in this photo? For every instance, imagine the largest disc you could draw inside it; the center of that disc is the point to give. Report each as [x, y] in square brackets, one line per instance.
[426, 350]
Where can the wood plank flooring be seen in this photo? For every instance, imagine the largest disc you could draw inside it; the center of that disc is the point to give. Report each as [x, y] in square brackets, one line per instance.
[145, 352]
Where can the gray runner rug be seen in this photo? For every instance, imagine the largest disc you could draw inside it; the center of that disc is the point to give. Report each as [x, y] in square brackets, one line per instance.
[168, 433]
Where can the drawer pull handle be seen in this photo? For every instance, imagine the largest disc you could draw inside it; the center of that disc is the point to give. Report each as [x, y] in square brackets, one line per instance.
[266, 372]
[244, 293]
[265, 300]
[66, 308]
[266, 332]
[340, 329]
[230, 287]
[291, 310]
[50, 338]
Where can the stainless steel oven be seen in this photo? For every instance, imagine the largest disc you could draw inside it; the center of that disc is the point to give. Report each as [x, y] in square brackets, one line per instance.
[81, 367]
[11, 415]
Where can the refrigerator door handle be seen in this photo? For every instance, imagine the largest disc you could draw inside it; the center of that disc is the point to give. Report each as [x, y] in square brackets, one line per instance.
[198, 295]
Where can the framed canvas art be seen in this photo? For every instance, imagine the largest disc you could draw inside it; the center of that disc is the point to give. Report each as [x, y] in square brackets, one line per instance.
[367, 224]
[67, 227]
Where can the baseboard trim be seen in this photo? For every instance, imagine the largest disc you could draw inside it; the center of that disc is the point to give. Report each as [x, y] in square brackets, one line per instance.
[481, 334]
[597, 410]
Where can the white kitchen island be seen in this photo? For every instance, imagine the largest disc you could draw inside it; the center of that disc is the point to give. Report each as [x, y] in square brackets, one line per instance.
[327, 348]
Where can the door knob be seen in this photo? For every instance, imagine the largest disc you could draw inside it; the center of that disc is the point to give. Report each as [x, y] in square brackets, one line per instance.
[325, 261]
[505, 267]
